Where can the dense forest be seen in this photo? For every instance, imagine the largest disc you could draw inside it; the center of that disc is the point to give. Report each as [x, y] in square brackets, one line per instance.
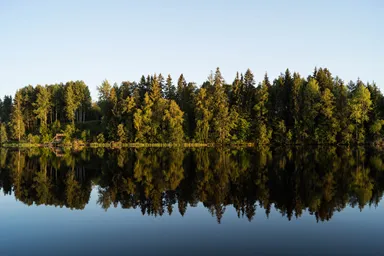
[287, 180]
[291, 109]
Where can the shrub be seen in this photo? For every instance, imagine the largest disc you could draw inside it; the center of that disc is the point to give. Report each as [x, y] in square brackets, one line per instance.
[100, 138]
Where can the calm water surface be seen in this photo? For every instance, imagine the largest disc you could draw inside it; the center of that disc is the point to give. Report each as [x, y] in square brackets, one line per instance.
[299, 201]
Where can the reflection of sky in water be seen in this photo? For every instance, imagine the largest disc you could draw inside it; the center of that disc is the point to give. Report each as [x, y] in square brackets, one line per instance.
[49, 230]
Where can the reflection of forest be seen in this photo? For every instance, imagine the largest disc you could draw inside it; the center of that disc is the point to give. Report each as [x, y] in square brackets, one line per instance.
[321, 180]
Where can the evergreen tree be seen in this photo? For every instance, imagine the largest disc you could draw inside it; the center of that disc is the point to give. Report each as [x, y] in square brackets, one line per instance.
[237, 93]
[170, 89]
[311, 106]
[327, 127]
[342, 112]
[42, 104]
[70, 103]
[360, 105]
[17, 123]
[221, 123]
[319, 110]
[203, 116]
[6, 109]
[173, 117]
[263, 135]
[297, 88]
[143, 120]
[248, 91]
[3, 133]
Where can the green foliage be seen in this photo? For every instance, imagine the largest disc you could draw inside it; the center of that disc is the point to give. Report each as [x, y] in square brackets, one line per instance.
[310, 110]
[45, 136]
[3, 133]
[203, 116]
[221, 123]
[85, 135]
[70, 102]
[318, 110]
[68, 133]
[100, 138]
[42, 104]
[360, 105]
[173, 117]
[121, 133]
[34, 139]
[241, 131]
[17, 125]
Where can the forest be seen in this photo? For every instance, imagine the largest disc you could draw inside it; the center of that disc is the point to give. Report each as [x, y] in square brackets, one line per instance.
[291, 109]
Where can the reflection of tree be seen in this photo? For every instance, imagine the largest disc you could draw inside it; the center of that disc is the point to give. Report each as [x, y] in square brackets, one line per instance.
[73, 191]
[42, 185]
[295, 180]
[17, 163]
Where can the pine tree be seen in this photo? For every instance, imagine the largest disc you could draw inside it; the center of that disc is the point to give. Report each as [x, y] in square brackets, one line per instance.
[297, 87]
[327, 127]
[173, 117]
[42, 105]
[203, 116]
[70, 103]
[248, 91]
[170, 89]
[143, 120]
[263, 135]
[180, 93]
[3, 133]
[237, 93]
[360, 105]
[221, 125]
[325, 79]
[342, 112]
[6, 109]
[311, 105]
[17, 123]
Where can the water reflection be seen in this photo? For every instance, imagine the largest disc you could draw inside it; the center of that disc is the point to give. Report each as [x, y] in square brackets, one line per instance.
[162, 181]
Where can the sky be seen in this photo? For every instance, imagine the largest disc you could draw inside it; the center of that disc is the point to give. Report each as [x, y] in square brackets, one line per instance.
[46, 42]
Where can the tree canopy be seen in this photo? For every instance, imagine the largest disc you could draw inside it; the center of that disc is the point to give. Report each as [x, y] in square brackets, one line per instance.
[290, 109]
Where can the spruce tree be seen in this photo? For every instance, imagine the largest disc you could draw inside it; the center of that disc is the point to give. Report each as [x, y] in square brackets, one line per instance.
[17, 123]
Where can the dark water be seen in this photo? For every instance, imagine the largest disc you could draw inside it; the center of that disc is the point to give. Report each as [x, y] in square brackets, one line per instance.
[300, 201]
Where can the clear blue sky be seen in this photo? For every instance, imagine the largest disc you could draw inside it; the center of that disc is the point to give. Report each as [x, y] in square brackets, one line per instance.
[44, 42]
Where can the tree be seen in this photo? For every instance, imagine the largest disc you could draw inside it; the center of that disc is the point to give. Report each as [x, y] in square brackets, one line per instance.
[170, 89]
[203, 116]
[17, 123]
[3, 133]
[319, 109]
[143, 120]
[248, 91]
[297, 88]
[263, 136]
[360, 105]
[70, 103]
[342, 112]
[237, 93]
[311, 105]
[221, 123]
[42, 105]
[173, 117]
[121, 133]
[327, 127]
[6, 109]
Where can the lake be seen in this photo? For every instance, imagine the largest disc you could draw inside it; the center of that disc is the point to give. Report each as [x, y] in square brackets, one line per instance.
[203, 201]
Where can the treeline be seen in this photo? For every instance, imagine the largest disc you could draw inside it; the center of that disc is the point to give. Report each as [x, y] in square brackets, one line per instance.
[287, 181]
[291, 109]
